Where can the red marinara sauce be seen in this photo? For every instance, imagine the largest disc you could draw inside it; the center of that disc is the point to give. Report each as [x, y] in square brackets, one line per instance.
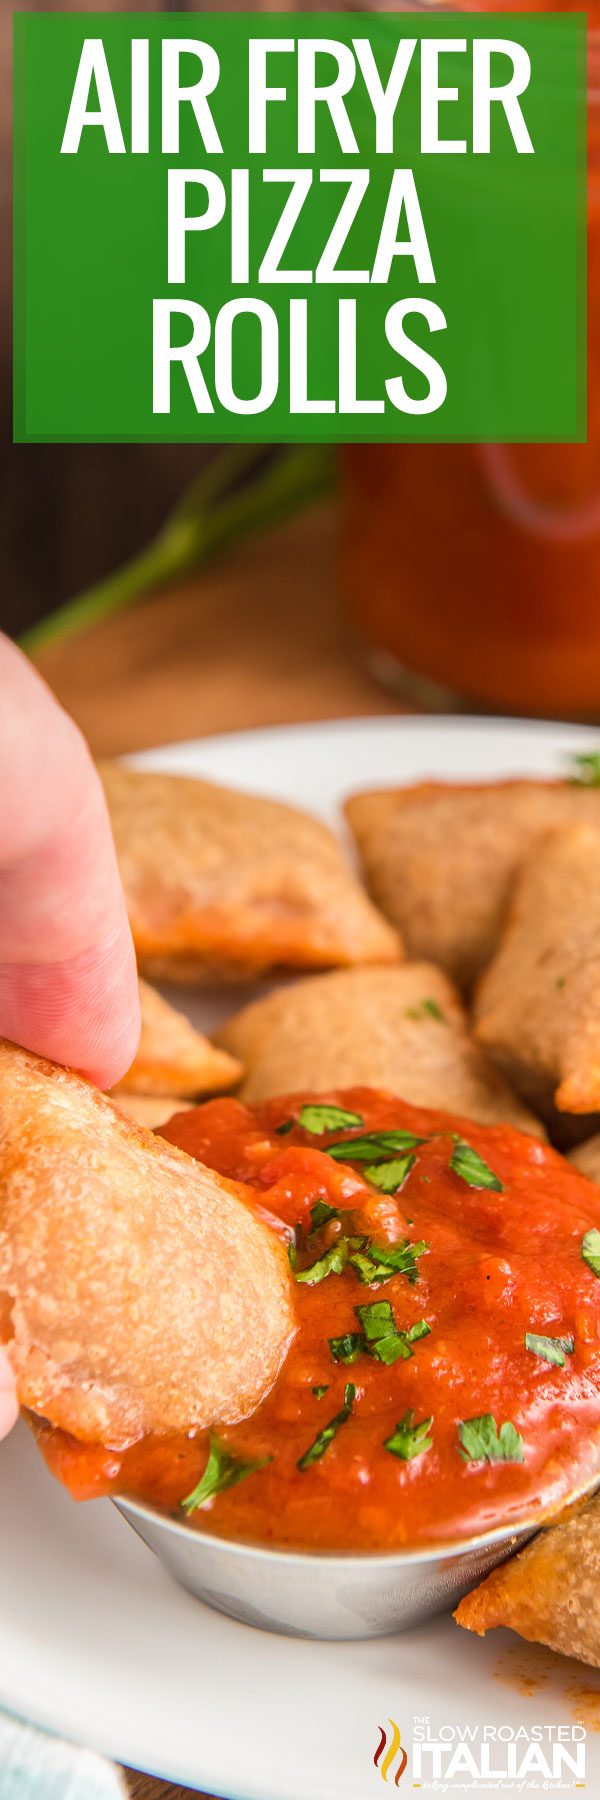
[446, 1421]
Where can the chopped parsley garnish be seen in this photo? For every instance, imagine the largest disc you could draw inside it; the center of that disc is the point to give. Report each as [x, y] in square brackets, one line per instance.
[318, 1119]
[409, 1440]
[348, 1348]
[585, 768]
[282, 1130]
[391, 1349]
[324, 1437]
[380, 1336]
[373, 1263]
[332, 1263]
[380, 1261]
[377, 1320]
[590, 1250]
[321, 1213]
[390, 1177]
[368, 1272]
[551, 1349]
[427, 1009]
[419, 1330]
[376, 1145]
[470, 1167]
[400, 1257]
[482, 1442]
[320, 1391]
[303, 1242]
[223, 1470]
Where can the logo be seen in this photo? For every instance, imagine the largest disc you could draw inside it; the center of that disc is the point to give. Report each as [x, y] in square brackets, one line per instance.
[477, 1757]
[388, 1750]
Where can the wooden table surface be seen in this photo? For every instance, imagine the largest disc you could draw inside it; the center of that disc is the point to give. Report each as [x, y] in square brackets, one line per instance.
[257, 639]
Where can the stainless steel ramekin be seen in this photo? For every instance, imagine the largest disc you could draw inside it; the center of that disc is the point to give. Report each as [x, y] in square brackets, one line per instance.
[321, 1596]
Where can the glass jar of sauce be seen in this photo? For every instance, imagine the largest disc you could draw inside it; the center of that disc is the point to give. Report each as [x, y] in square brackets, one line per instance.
[472, 571]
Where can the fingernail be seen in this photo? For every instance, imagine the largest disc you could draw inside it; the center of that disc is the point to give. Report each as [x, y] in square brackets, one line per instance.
[9, 1412]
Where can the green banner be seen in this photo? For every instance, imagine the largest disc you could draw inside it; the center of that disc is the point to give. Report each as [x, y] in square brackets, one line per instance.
[290, 227]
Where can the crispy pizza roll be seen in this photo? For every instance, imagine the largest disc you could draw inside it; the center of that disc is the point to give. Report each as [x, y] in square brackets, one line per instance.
[538, 1005]
[222, 884]
[440, 860]
[587, 1157]
[172, 1057]
[402, 1029]
[151, 1110]
[138, 1291]
[549, 1592]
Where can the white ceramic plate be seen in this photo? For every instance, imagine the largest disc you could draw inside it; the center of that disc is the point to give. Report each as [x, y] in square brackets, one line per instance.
[95, 1640]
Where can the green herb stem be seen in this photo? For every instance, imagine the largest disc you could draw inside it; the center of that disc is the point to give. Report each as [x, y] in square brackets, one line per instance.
[323, 1439]
[207, 520]
[409, 1440]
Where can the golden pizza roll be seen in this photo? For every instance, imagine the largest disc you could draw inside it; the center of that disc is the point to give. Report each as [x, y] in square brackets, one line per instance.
[440, 860]
[538, 1005]
[151, 1110]
[172, 1057]
[138, 1291]
[587, 1157]
[222, 884]
[549, 1592]
[402, 1029]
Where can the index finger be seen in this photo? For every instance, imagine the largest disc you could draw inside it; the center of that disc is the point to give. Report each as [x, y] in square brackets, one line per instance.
[68, 983]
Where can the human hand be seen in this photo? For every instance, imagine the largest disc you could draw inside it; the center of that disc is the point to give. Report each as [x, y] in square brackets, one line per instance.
[68, 984]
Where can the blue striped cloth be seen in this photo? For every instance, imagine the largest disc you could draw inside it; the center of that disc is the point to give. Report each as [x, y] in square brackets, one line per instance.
[36, 1766]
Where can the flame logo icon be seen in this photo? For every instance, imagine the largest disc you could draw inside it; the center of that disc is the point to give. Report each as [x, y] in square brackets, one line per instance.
[389, 1751]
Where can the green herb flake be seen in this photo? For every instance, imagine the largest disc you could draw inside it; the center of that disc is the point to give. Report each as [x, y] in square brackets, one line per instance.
[381, 1261]
[320, 1391]
[590, 1250]
[390, 1177]
[398, 1256]
[552, 1350]
[348, 1348]
[427, 1009]
[470, 1167]
[585, 768]
[383, 1340]
[282, 1130]
[321, 1213]
[368, 1271]
[391, 1349]
[332, 1263]
[482, 1442]
[318, 1119]
[324, 1437]
[409, 1440]
[433, 1010]
[377, 1320]
[420, 1330]
[223, 1470]
[376, 1145]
